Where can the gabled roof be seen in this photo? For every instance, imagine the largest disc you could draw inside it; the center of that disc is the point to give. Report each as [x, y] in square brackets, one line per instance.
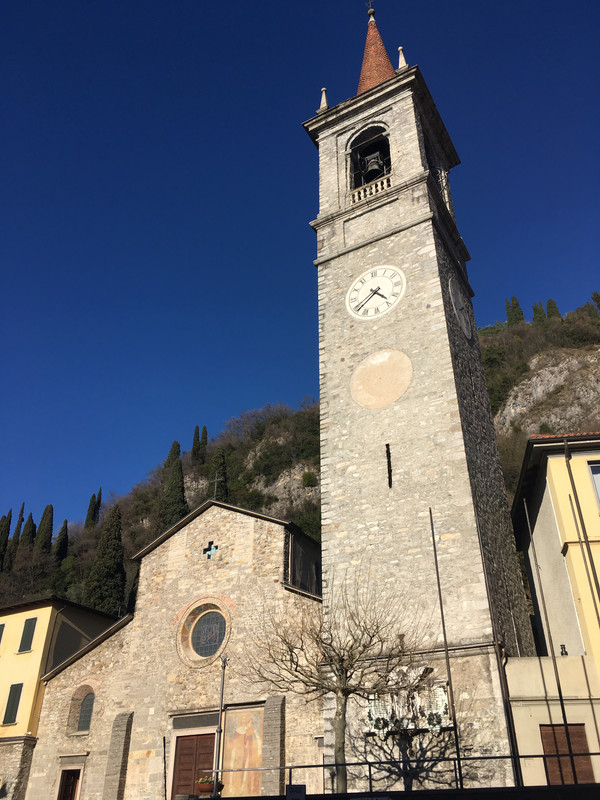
[376, 66]
[49, 600]
[200, 510]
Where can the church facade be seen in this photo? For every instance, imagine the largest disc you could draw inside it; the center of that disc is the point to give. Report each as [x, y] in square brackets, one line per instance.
[151, 684]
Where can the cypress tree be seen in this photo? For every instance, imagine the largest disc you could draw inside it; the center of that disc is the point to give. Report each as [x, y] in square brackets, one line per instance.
[195, 454]
[98, 506]
[174, 454]
[219, 476]
[11, 551]
[61, 546]
[19, 524]
[199, 447]
[539, 315]
[203, 444]
[132, 594]
[28, 535]
[596, 299]
[89, 517]
[517, 314]
[105, 584]
[552, 309]
[174, 506]
[43, 539]
[4, 534]
[509, 321]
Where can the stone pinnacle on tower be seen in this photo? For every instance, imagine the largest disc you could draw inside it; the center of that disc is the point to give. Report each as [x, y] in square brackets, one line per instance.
[376, 66]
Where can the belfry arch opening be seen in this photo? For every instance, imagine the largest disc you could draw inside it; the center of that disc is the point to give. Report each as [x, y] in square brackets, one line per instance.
[369, 157]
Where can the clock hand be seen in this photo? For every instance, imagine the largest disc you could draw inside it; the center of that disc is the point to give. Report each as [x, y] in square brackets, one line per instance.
[375, 291]
[366, 300]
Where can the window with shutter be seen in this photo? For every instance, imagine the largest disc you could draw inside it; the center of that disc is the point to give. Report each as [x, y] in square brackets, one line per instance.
[557, 760]
[12, 706]
[27, 635]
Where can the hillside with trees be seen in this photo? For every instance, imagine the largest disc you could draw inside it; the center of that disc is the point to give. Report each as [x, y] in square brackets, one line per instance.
[542, 378]
[265, 460]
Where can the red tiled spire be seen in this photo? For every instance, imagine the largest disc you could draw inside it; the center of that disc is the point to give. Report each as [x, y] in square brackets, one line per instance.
[376, 66]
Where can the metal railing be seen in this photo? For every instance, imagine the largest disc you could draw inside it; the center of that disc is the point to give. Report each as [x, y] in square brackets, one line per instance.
[440, 773]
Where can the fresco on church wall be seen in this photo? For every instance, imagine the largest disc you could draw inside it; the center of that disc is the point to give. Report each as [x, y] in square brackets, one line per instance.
[242, 748]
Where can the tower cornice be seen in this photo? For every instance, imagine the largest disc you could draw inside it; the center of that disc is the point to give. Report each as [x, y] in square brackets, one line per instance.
[409, 79]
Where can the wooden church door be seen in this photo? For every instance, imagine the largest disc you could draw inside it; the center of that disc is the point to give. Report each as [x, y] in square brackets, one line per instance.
[194, 757]
[69, 783]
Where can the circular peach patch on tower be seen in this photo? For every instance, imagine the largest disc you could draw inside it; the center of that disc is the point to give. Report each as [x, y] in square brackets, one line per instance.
[381, 378]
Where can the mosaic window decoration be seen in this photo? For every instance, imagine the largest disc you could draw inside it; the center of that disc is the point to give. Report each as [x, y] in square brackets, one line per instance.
[208, 633]
[203, 632]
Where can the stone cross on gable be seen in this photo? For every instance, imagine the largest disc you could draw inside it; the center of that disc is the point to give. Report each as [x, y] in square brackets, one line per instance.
[210, 550]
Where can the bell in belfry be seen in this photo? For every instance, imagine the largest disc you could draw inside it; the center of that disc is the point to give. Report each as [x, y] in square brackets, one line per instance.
[373, 167]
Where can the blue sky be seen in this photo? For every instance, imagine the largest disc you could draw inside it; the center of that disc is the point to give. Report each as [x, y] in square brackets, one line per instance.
[157, 187]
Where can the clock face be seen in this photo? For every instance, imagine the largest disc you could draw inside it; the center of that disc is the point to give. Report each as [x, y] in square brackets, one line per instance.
[460, 306]
[375, 292]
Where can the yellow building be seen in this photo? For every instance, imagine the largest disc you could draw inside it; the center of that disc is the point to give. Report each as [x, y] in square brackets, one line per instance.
[35, 637]
[555, 698]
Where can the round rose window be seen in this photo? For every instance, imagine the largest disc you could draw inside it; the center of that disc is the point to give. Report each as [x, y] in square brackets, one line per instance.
[208, 633]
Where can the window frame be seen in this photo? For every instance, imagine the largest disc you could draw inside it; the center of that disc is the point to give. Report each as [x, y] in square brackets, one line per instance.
[195, 639]
[83, 713]
[79, 695]
[557, 760]
[27, 635]
[189, 618]
[14, 696]
[595, 477]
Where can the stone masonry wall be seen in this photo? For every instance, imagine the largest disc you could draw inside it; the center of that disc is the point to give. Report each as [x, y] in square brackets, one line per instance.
[506, 592]
[15, 762]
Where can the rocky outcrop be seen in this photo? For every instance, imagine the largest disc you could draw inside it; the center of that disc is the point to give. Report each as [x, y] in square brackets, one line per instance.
[560, 393]
[290, 491]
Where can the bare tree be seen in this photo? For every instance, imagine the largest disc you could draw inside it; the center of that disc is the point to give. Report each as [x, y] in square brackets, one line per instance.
[360, 646]
[411, 739]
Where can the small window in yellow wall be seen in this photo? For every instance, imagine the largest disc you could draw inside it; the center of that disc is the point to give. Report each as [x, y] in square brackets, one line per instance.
[27, 635]
[12, 706]
[595, 470]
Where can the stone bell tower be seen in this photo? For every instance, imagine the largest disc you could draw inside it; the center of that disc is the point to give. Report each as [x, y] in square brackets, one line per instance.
[405, 420]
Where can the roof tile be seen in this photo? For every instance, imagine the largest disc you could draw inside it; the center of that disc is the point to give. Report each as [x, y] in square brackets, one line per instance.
[376, 66]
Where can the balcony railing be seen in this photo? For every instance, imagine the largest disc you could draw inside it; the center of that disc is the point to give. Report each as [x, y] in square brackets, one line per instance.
[371, 189]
